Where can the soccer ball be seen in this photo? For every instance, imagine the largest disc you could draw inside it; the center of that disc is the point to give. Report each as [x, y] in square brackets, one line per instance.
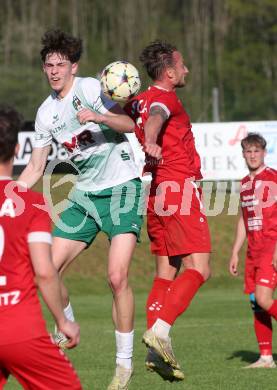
[120, 81]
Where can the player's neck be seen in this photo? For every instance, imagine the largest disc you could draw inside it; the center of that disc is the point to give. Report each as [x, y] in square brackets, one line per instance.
[164, 84]
[256, 172]
[6, 169]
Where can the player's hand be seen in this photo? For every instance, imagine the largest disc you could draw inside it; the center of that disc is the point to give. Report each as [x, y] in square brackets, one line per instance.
[274, 259]
[72, 331]
[153, 150]
[233, 265]
[85, 115]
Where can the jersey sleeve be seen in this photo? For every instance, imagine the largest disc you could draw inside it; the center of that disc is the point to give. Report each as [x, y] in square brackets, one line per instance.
[161, 105]
[275, 180]
[271, 189]
[94, 95]
[270, 205]
[43, 136]
[165, 102]
[39, 229]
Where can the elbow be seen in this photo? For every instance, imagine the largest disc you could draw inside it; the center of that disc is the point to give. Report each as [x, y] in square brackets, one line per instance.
[41, 281]
[45, 277]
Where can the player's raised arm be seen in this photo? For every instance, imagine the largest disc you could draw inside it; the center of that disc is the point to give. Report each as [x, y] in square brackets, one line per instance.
[48, 282]
[152, 128]
[104, 110]
[35, 167]
[239, 240]
[115, 118]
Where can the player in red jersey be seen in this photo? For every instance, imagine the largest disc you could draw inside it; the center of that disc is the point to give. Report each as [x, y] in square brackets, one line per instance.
[258, 223]
[26, 349]
[176, 224]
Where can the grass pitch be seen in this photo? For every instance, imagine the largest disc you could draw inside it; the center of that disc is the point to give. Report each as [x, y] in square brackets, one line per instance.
[213, 340]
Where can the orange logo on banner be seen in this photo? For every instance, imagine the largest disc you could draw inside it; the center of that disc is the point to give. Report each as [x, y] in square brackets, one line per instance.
[240, 134]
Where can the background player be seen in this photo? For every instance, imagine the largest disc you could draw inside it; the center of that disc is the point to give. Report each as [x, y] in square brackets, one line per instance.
[91, 127]
[26, 350]
[258, 223]
[182, 236]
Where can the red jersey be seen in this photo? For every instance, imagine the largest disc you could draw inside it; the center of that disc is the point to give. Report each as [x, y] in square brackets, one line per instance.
[259, 207]
[21, 222]
[180, 159]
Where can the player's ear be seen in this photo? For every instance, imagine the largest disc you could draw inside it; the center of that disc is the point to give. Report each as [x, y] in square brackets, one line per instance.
[74, 68]
[243, 153]
[170, 72]
[16, 150]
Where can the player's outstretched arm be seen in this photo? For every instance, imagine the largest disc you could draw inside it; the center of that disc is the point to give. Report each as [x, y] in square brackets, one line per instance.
[239, 240]
[49, 285]
[115, 118]
[35, 167]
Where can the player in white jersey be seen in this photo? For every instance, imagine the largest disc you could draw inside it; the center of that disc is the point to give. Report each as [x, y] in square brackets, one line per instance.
[95, 148]
[106, 198]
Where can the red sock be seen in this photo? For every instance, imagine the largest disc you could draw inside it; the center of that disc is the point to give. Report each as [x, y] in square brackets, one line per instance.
[263, 330]
[155, 299]
[273, 310]
[180, 294]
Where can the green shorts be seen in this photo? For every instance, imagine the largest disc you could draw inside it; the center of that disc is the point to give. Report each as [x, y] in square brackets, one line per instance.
[115, 210]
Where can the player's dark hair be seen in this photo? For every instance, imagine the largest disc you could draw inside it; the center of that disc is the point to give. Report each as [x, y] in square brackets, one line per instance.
[253, 139]
[57, 41]
[156, 57]
[10, 125]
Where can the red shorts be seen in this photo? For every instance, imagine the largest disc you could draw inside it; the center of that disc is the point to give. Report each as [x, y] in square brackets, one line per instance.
[259, 269]
[37, 364]
[176, 222]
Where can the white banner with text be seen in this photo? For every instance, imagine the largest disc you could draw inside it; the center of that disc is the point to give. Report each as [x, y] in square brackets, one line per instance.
[217, 143]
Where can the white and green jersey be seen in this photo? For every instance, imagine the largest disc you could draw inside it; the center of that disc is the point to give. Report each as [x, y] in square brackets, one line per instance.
[103, 157]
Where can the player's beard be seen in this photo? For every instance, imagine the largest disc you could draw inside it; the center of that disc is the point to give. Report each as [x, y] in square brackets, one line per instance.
[181, 83]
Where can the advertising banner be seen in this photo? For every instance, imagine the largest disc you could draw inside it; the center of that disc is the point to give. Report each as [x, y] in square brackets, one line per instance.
[219, 147]
[217, 143]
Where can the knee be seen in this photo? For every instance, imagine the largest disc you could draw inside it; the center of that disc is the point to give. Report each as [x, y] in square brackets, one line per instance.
[200, 262]
[118, 280]
[207, 274]
[263, 301]
[205, 271]
[59, 262]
